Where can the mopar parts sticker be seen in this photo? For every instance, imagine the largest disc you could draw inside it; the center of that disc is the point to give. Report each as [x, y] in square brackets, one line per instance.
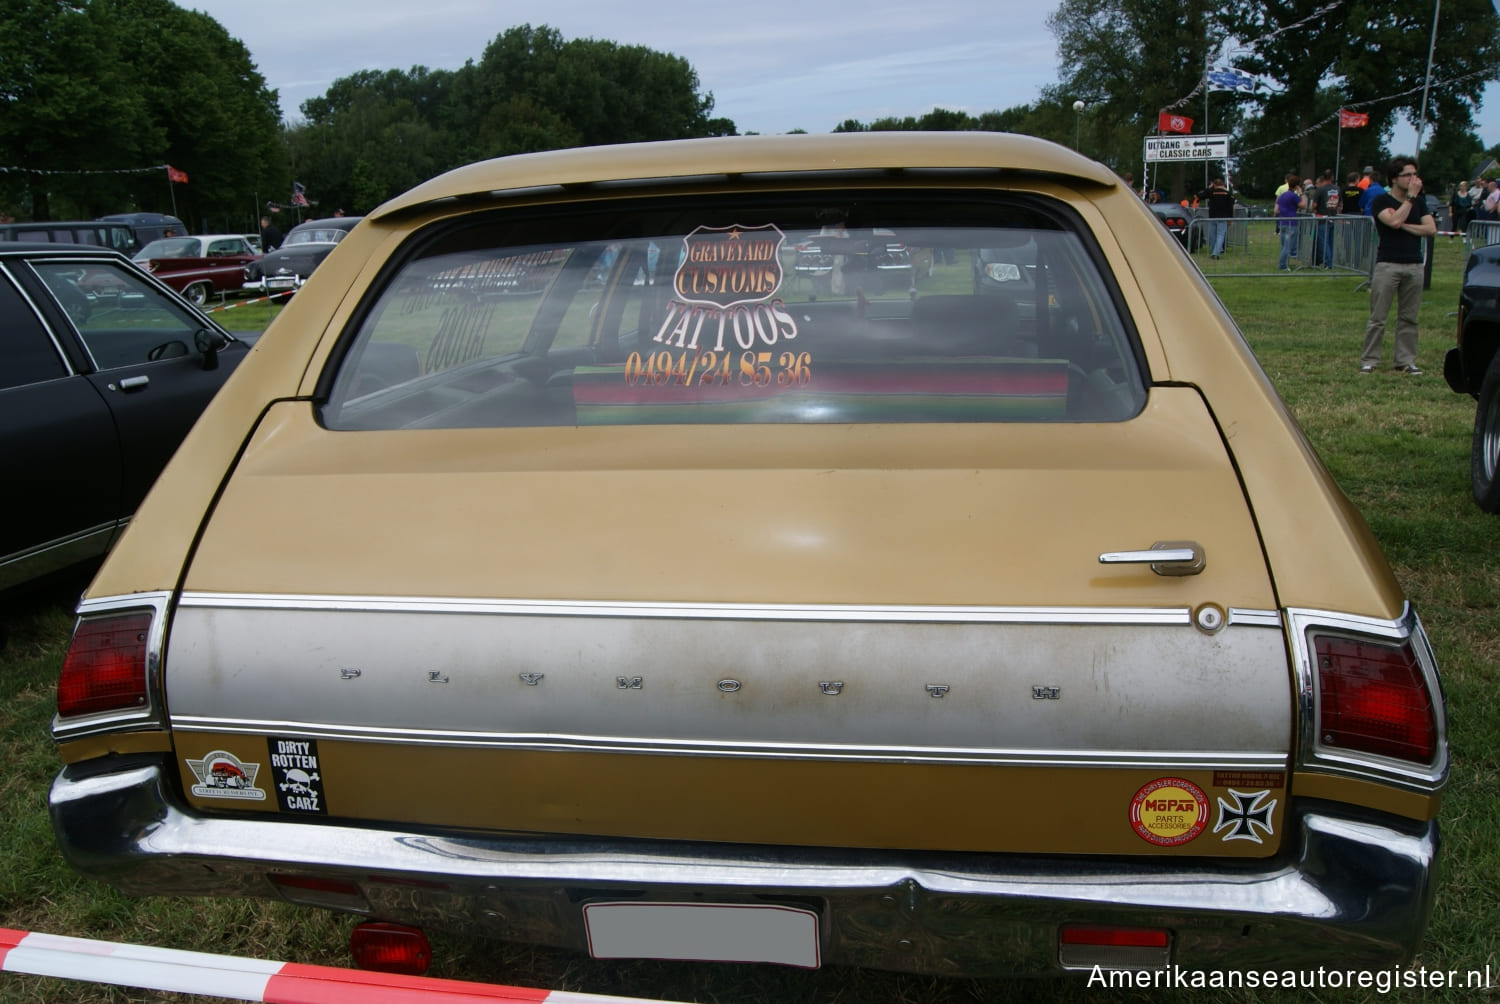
[1169, 811]
[223, 775]
[297, 778]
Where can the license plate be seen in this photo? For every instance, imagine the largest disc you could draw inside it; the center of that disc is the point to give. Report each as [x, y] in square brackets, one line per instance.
[703, 932]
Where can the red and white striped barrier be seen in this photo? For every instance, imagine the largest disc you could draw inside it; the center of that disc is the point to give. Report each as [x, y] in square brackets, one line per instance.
[249, 979]
[246, 303]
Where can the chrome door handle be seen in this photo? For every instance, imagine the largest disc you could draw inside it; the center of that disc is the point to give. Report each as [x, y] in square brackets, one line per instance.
[133, 383]
[1166, 557]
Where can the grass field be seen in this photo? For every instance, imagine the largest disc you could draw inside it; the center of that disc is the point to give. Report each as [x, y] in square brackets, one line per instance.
[1399, 447]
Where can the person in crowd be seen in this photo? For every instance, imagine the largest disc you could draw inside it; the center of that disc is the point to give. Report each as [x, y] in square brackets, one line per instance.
[270, 235]
[1325, 203]
[1402, 223]
[1288, 204]
[1460, 207]
[1372, 191]
[1220, 202]
[1476, 199]
[1491, 200]
[1349, 196]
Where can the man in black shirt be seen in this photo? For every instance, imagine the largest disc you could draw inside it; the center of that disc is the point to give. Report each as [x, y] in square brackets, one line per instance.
[1402, 222]
[1220, 203]
[270, 235]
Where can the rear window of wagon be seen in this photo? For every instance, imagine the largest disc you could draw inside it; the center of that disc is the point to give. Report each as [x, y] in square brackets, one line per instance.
[826, 308]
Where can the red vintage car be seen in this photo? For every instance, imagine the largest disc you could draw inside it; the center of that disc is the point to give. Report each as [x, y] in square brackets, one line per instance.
[198, 267]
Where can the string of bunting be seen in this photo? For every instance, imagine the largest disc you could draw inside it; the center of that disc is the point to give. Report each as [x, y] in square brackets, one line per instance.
[118, 170]
[1203, 81]
[1362, 104]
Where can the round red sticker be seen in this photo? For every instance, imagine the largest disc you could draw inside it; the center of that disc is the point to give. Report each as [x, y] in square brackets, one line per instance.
[1169, 811]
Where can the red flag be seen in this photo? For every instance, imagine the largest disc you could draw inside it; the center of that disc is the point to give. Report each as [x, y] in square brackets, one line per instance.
[1353, 120]
[175, 175]
[1167, 122]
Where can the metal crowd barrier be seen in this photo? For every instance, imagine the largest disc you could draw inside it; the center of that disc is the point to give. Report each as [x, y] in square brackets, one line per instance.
[1314, 245]
[1481, 233]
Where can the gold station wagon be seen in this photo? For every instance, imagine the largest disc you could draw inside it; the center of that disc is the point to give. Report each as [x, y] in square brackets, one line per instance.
[569, 565]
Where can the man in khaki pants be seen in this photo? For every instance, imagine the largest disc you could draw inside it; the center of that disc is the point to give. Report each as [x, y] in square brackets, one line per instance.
[1402, 223]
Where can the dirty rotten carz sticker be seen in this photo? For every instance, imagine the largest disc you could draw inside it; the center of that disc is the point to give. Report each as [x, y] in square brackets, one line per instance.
[295, 771]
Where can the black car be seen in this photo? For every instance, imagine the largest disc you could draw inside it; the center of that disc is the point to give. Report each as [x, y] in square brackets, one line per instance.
[305, 247]
[1178, 219]
[1473, 368]
[102, 372]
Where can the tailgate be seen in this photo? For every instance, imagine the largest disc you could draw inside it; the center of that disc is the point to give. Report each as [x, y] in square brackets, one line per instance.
[873, 636]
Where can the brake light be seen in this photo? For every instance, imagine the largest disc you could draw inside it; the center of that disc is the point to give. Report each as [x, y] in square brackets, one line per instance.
[105, 668]
[1373, 698]
[390, 948]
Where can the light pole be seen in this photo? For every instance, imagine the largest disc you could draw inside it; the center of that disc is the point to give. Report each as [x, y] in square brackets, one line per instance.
[1077, 123]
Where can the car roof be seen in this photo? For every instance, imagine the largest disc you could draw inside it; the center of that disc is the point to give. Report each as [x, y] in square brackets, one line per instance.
[327, 223]
[142, 219]
[36, 249]
[203, 237]
[584, 169]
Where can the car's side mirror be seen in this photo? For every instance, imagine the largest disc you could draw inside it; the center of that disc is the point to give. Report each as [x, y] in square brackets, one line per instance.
[209, 343]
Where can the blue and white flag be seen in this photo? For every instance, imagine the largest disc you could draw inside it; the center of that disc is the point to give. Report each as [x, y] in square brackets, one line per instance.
[1230, 79]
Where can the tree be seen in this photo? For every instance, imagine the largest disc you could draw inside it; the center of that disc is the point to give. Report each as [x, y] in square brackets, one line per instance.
[96, 91]
[1375, 57]
[1127, 60]
[377, 133]
[53, 112]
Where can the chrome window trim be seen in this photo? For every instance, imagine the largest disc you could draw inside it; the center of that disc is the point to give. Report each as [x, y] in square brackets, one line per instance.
[1313, 755]
[558, 743]
[68, 368]
[153, 715]
[895, 613]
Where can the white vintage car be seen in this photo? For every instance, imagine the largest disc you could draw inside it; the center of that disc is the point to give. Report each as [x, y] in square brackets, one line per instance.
[685, 607]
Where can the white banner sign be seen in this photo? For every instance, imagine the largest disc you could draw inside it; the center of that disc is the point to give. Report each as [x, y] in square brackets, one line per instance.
[1159, 148]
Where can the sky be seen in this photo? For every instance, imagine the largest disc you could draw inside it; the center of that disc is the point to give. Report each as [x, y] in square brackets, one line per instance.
[771, 65]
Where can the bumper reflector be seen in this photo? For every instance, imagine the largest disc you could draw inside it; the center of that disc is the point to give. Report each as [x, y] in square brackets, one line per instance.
[331, 894]
[1084, 946]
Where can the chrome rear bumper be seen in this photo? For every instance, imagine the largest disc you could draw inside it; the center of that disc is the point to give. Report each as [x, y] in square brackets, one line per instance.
[1350, 890]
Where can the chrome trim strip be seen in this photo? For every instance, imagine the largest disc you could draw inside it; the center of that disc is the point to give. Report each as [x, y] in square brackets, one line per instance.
[22, 566]
[1255, 618]
[152, 716]
[1318, 758]
[562, 743]
[701, 611]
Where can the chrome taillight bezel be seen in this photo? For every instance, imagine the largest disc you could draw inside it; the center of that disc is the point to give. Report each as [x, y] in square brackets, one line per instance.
[1315, 755]
[151, 715]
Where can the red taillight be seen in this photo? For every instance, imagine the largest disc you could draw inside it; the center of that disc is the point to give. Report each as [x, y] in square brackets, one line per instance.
[1373, 698]
[105, 668]
[390, 948]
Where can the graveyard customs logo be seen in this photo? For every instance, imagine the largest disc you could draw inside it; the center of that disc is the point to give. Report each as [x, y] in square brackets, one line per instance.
[727, 266]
